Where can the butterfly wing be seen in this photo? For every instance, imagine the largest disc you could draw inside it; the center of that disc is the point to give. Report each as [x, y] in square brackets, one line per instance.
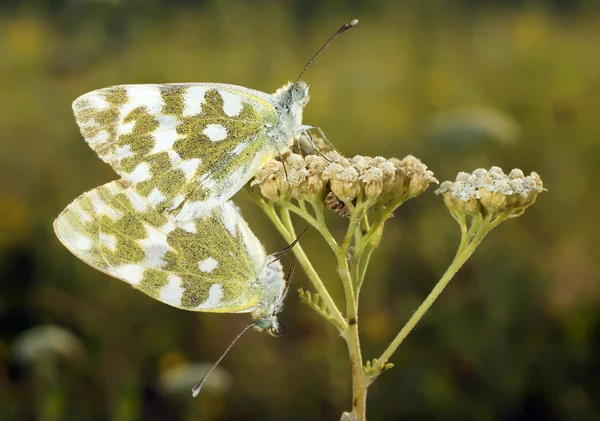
[210, 263]
[196, 142]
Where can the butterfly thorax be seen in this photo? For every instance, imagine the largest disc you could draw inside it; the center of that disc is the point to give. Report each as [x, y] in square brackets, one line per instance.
[272, 284]
[291, 100]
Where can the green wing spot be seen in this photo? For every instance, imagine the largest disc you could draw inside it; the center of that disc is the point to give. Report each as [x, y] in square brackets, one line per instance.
[116, 96]
[106, 119]
[184, 261]
[243, 128]
[193, 297]
[197, 194]
[174, 99]
[139, 139]
[153, 281]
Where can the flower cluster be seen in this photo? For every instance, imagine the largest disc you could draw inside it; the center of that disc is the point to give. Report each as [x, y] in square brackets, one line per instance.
[491, 191]
[341, 181]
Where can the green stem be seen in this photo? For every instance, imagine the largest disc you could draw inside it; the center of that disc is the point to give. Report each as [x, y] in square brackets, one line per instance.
[318, 223]
[350, 334]
[289, 235]
[363, 264]
[461, 257]
[377, 226]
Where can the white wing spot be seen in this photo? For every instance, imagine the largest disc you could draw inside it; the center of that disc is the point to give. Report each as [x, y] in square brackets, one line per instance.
[215, 295]
[168, 227]
[91, 100]
[130, 273]
[174, 157]
[155, 197]
[215, 132]
[172, 292]
[80, 242]
[114, 188]
[140, 173]
[232, 104]
[108, 240]
[166, 133]
[101, 137]
[208, 265]
[137, 200]
[190, 166]
[155, 246]
[83, 214]
[147, 95]
[123, 152]
[193, 100]
[125, 128]
[188, 226]
[98, 204]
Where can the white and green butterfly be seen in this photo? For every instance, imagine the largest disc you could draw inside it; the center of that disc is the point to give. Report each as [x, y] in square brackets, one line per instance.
[188, 147]
[212, 263]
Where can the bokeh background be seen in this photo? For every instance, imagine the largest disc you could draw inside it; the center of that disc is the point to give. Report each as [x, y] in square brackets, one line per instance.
[460, 84]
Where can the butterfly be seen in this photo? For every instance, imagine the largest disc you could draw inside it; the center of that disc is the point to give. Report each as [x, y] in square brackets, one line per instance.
[188, 147]
[212, 263]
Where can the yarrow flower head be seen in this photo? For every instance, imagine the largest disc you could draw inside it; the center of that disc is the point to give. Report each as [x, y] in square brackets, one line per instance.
[485, 192]
[342, 182]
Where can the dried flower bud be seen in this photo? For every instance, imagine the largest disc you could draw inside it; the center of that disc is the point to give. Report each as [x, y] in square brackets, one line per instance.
[334, 156]
[344, 184]
[419, 177]
[315, 183]
[272, 181]
[373, 179]
[360, 163]
[491, 190]
[297, 175]
[343, 180]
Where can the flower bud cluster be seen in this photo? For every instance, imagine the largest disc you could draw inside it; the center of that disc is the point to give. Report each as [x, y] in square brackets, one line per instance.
[491, 191]
[339, 180]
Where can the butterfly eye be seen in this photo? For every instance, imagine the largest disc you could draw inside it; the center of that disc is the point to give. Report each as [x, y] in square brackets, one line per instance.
[277, 331]
[298, 93]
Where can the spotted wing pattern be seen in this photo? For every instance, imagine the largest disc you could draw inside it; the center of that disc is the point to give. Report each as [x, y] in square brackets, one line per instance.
[184, 147]
[210, 263]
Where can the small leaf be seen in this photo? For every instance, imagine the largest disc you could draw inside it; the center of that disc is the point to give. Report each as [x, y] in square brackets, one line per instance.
[315, 299]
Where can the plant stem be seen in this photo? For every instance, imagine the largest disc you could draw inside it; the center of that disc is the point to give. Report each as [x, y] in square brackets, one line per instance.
[465, 251]
[289, 235]
[318, 223]
[350, 335]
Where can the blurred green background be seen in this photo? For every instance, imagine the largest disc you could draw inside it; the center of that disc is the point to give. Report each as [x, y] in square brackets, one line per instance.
[460, 84]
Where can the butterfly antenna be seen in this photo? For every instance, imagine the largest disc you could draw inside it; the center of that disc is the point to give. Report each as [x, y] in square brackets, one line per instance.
[196, 389]
[282, 253]
[329, 41]
[289, 277]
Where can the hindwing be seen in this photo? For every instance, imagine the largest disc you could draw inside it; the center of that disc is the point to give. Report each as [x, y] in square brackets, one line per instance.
[210, 263]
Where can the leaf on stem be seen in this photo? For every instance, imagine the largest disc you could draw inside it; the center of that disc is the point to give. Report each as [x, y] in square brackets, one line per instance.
[314, 301]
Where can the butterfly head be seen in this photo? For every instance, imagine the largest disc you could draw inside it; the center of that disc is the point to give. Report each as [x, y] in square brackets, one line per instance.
[270, 323]
[291, 99]
[299, 92]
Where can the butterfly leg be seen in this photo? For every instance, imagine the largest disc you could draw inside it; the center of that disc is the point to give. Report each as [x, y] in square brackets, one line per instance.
[322, 134]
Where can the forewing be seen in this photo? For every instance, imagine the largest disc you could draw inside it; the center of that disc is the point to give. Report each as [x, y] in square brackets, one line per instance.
[198, 143]
[210, 263]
